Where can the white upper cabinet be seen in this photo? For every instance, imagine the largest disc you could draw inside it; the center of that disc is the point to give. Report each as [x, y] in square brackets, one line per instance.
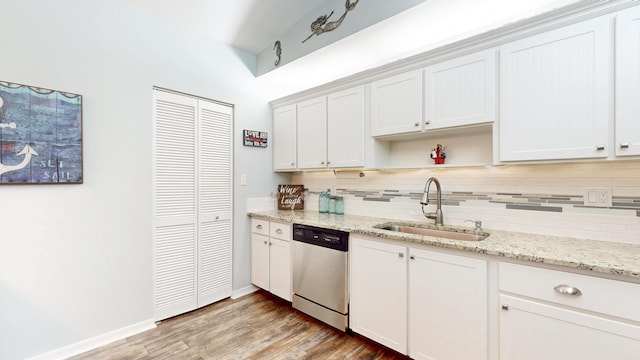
[628, 82]
[555, 94]
[345, 128]
[284, 138]
[312, 133]
[460, 91]
[396, 104]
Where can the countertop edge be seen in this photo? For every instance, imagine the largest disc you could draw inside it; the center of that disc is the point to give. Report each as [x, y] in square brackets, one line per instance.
[591, 255]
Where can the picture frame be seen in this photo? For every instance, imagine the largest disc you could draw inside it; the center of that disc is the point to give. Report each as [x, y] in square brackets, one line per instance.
[40, 135]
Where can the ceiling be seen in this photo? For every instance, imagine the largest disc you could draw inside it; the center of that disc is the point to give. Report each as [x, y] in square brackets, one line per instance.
[252, 25]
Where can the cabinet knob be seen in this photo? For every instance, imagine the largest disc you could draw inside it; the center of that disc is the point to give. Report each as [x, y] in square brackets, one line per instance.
[624, 145]
[426, 122]
[270, 243]
[600, 147]
[265, 242]
[416, 124]
[293, 164]
[505, 307]
[217, 217]
[412, 257]
[328, 162]
[279, 231]
[401, 255]
[259, 226]
[568, 290]
[321, 162]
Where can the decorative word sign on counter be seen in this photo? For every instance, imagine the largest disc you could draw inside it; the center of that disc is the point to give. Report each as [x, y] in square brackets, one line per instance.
[290, 197]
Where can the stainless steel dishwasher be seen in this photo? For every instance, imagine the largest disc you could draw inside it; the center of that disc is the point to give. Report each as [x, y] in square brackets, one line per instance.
[320, 282]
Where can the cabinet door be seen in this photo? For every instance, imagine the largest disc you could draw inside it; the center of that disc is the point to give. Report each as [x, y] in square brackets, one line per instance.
[345, 128]
[628, 82]
[447, 306]
[284, 138]
[396, 104]
[378, 283]
[532, 330]
[555, 94]
[260, 261]
[312, 134]
[460, 91]
[280, 268]
[215, 198]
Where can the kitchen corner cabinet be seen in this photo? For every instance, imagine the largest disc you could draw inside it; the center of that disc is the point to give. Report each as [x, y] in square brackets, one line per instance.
[627, 82]
[271, 257]
[461, 91]
[543, 316]
[284, 138]
[378, 292]
[555, 94]
[396, 104]
[447, 306]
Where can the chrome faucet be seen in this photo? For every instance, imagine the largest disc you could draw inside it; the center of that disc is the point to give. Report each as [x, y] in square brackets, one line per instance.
[437, 216]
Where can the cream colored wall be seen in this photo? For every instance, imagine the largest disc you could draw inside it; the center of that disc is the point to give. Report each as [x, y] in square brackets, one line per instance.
[621, 223]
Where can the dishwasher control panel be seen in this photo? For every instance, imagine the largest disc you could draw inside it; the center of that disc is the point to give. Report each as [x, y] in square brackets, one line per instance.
[329, 238]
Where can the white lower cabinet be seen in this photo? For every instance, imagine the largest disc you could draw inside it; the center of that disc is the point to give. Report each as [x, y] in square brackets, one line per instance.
[548, 314]
[447, 306]
[378, 283]
[428, 304]
[271, 257]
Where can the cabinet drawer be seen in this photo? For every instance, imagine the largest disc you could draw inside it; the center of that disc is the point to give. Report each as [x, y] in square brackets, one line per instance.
[611, 297]
[280, 231]
[259, 226]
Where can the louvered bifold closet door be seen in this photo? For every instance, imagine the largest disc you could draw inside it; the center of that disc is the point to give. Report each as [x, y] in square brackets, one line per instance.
[175, 204]
[215, 226]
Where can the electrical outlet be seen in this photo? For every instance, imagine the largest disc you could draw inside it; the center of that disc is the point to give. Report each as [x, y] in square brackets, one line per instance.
[598, 197]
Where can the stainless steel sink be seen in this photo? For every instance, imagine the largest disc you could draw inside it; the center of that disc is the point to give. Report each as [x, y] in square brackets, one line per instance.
[454, 234]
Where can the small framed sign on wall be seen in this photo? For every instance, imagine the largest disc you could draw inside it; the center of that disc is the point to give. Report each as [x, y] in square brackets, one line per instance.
[255, 138]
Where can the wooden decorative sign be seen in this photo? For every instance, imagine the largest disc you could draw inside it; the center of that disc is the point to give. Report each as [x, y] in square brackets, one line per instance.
[255, 138]
[290, 197]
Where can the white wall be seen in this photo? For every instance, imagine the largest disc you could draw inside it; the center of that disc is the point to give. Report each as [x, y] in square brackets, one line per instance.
[76, 260]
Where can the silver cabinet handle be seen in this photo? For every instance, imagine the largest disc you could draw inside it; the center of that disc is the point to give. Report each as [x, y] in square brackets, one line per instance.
[600, 147]
[624, 145]
[401, 255]
[568, 290]
[259, 227]
[278, 231]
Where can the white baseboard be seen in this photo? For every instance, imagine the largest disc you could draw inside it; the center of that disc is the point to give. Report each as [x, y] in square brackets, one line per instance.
[95, 342]
[243, 292]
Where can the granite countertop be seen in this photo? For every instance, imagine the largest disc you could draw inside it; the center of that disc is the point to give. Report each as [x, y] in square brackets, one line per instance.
[592, 255]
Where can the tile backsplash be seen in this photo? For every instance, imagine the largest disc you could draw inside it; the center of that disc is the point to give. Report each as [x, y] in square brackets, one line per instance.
[541, 198]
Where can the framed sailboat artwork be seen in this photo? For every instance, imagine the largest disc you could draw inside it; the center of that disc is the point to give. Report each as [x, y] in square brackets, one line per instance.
[40, 135]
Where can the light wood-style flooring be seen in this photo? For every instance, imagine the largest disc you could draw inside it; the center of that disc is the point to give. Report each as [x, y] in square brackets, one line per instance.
[256, 326]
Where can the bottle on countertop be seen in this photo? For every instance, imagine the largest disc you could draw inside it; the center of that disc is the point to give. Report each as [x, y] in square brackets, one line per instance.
[339, 205]
[332, 205]
[323, 202]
